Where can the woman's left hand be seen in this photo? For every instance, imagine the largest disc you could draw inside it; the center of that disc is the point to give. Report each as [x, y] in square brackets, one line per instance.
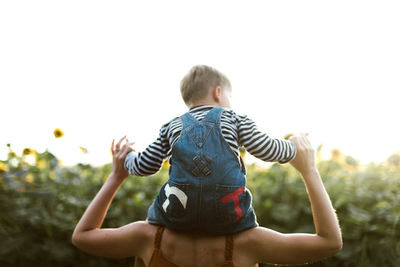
[110, 242]
[119, 152]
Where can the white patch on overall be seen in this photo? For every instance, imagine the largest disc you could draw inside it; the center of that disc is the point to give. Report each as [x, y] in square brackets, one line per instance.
[174, 191]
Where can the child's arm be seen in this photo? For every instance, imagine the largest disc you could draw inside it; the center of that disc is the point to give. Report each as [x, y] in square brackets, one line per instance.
[150, 160]
[262, 146]
[274, 247]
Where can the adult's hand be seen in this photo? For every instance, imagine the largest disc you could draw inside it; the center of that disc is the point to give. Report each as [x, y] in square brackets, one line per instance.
[304, 161]
[119, 152]
[298, 248]
[111, 242]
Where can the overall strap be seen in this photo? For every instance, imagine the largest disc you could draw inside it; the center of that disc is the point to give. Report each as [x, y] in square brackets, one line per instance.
[214, 115]
[228, 247]
[187, 120]
[157, 240]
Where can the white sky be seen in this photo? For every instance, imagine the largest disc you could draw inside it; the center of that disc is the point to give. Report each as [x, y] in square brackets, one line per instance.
[102, 69]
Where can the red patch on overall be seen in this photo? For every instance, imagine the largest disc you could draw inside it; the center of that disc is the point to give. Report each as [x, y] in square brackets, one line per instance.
[235, 197]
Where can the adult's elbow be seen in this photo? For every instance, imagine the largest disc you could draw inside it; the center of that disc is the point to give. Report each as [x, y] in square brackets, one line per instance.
[335, 246]
[330, 247]
[75, 239]
[338, 245]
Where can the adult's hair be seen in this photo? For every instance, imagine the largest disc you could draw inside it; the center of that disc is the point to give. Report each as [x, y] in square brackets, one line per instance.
[198, 81]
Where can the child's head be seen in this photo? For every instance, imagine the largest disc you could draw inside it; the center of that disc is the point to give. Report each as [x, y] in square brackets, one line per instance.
[205, 85]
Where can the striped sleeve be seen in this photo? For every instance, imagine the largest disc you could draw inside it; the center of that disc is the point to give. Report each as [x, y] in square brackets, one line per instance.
[262, 146]
[150, 160]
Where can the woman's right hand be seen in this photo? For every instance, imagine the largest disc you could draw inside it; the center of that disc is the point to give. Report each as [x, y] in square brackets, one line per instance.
[298, 248]
[304, 160]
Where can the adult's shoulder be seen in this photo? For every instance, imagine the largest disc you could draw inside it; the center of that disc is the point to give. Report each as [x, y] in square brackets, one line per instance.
[139, 238]
[261, 244]
[245, 238]
[246, 244]
[142, 229]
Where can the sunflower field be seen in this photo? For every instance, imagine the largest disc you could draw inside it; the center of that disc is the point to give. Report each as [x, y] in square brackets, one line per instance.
[41, 201]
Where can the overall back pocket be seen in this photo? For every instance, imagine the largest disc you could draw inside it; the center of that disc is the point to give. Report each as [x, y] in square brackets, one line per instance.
[176, 201]
[231, 203]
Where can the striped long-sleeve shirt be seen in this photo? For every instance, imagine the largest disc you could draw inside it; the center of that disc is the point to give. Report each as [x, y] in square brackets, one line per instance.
[238, 130]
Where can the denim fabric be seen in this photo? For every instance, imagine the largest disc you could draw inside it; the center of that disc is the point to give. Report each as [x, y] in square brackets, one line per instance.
[206, 190]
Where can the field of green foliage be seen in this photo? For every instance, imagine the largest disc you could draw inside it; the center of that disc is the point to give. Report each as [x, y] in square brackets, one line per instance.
[41, 202]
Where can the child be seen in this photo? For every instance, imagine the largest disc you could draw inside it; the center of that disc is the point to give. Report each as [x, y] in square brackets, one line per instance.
[206, 190]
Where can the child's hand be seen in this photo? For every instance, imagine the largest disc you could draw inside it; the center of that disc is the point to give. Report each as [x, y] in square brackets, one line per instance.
[304, 161]
[119, 152]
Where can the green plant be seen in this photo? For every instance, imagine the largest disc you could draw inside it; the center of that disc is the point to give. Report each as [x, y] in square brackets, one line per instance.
[41, 203]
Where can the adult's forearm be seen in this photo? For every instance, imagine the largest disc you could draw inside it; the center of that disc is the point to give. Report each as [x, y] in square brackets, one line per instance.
[95, 213]
[325, 220]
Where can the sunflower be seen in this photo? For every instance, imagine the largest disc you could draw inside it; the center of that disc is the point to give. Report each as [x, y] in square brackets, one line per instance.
[29, 178]
[337, 155]
[41, 164]
[27, 151]
[3, 167]
[83, 149]
[286, 137]
[165, 164]
[58, 133]
[242, 152]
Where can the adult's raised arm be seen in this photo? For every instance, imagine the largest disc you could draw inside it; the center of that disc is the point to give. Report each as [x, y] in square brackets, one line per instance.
[274, 247]
[117, 242]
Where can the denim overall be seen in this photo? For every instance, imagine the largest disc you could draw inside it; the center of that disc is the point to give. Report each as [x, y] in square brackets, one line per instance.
[206, 190]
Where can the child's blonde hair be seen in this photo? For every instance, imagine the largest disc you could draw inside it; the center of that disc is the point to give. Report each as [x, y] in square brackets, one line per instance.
[200, 79]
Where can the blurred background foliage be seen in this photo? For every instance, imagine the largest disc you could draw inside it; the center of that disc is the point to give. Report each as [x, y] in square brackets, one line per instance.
[41, 201]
